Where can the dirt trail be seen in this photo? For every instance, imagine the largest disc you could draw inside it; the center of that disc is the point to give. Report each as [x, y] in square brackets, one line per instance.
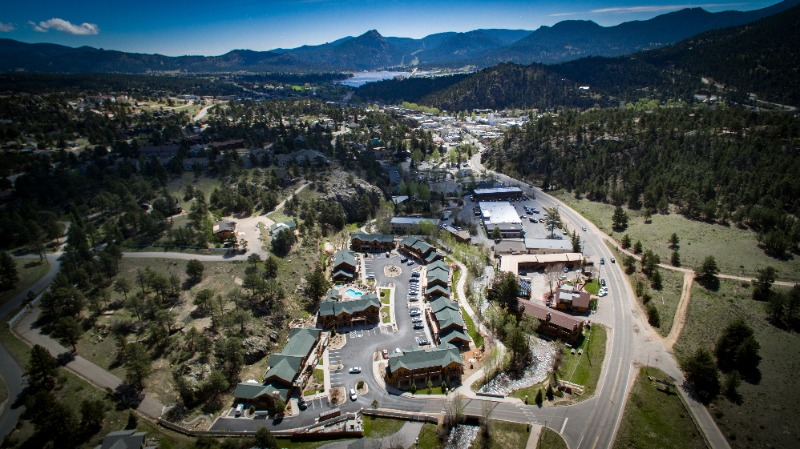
[680, 314]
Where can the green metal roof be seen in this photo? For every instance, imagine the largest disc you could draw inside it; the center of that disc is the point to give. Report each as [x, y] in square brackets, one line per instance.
[454, 334]
[333, 308]
[333, 295]
[284, 367]
[364, 237]
[448, 317]
[301, 341]
[343, 273]
[438, 357]
[247, 390]
[442, 304]
[439, 265]
[344, 257]
[437, 290]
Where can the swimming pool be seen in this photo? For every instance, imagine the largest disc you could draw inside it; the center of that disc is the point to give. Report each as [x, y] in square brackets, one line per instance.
[353, 293]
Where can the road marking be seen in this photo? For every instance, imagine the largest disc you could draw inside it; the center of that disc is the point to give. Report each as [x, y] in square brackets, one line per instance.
[595, 441]
[561, 432]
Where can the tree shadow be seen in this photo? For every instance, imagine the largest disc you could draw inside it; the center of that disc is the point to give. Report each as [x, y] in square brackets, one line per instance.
[127, 396]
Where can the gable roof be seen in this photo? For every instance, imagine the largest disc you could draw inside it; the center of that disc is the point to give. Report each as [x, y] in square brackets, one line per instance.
[250, 390]
[301, 341]
[442, 304]
[454, 334]
[344, 256]
[440, 356]
[123, 439]
[552, 316]
[437, 289]
[334, 308]
[449, 317]
[364, 237]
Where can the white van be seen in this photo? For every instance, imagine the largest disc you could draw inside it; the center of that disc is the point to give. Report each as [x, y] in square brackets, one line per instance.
[239, 410]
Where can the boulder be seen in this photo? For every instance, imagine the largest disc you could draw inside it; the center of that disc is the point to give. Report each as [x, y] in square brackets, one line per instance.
[255, 348]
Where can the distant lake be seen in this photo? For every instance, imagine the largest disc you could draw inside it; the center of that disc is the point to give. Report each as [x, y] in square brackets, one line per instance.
[361, 78]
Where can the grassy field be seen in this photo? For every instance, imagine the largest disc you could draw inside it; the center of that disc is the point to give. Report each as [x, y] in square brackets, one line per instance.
[655, 418]
[472, 330]
[29, 271]
[376, 427]
[385, 299]
[504, 435]
[550, 439]
[665, 300]
[582, 369]
[761, 419]
[428, 439]
[736, 250]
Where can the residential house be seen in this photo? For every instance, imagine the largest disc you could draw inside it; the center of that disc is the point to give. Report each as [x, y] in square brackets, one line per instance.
[572, 301]
[275, 228]
[223, 230]
[420, 250]
[289, 370]
[124, 439]
[336, 312]
[312, 158]
[442, 364]
[459, 236]
[345, 266]
[370, 243]
[553, 322]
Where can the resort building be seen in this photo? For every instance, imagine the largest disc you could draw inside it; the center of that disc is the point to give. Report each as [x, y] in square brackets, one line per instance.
[554, 323]
[420, 250]
[371, 243]
[358, 308]
[345, 266]
[442, 364]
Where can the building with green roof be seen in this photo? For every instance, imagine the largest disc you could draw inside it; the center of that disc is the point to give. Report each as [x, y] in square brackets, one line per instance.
[447, 323]
[345, 266]
[419, 250]
[288, 370]
[370, 243]
[442, 364]
[341, 313]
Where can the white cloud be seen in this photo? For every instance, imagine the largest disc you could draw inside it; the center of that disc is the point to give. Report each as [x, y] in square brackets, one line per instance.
[6, 27]
[645, 8]
[66, 27]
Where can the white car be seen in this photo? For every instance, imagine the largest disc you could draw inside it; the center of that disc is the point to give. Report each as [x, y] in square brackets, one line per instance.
[353, 395]
[355, 370]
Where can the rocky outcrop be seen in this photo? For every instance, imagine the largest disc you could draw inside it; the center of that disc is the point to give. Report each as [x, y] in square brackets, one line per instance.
[255, 348]
[347, 190]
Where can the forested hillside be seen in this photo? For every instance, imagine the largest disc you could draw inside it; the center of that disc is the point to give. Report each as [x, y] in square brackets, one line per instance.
[513, 86]
[724, 164]
[761, 58]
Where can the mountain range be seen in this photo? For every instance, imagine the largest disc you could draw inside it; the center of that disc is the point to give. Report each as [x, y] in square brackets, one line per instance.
[564, 41]
[760, 58]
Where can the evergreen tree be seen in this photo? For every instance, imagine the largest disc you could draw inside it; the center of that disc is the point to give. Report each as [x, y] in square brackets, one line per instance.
[762, 286]
[674, 241]
[637, 247]
[626, 241]
[8, 271]
[675, 259]
[42, 369]
[505, 290]
[194, 269]
[701, 374]
[708, 274]
[619, 219]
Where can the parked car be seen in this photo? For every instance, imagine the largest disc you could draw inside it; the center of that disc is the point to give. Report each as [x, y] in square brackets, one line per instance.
[385, 354]
[423, 342]
[410, 263]
[355, 370]
[353, 395]
[404, 259]
[398, 351]
[603, 282]
[239, 410]
[416, 319]
[301, 403]
[419, 326]
[414, 312]
[566, 270]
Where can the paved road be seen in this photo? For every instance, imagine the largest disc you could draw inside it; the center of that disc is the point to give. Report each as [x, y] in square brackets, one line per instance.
[9, 369]
[594, 422]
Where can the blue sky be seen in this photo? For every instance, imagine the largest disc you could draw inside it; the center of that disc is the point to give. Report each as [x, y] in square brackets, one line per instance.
[204, 27]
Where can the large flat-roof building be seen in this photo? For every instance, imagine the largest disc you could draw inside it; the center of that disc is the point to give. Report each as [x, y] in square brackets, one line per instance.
[516, 263]
[497, 194]
[501, 215]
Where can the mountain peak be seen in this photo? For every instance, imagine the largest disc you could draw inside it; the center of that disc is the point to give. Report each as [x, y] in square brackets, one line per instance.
[373, 34]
